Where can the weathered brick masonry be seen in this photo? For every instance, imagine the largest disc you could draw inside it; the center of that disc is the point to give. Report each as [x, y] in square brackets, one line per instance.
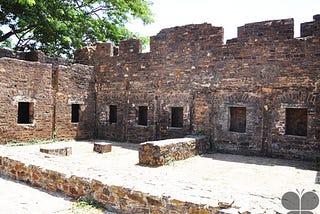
[257, 94]
[40, 91]
[25, 82]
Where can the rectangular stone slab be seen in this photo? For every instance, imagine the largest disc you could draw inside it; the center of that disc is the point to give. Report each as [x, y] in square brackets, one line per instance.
[158, 153]
[64, 151]
[102, 147]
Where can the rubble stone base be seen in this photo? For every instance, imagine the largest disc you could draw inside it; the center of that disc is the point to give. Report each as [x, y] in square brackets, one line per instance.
[114, 198]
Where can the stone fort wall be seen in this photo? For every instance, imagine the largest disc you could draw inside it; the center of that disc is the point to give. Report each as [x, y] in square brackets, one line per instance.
[37, 94]
[258, 94]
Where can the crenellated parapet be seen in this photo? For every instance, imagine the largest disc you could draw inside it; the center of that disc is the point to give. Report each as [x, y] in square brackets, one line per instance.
[34, 56]
[129, 47]
[199, 36]
[99, 51]
[311, 28]
[89, 54]
[189, 40]
[266, 31]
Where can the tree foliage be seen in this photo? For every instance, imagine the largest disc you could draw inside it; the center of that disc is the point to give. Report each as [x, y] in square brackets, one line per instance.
[58, 27]
[27, 2]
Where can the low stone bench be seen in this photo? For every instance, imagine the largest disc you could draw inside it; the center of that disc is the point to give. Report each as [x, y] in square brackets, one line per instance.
[102, 147]
[158, 153]
[65, 151]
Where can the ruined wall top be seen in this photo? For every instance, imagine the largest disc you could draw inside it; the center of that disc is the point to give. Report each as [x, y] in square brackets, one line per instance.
[196, 37]
[34, 56]
[267, 31]
[311, 28]
[185, 39]
[130, 46]
[189, 36]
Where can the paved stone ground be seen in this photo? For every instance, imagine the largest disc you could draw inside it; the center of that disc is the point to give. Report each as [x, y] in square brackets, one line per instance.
[255, 184]
[18, 198]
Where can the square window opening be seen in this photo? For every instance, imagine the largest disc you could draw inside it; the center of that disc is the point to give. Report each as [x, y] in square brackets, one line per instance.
[177, 117]
[296, 121]
[143, 116]
[75, 113]
[238, 119]
[25, 113]
[113, 114]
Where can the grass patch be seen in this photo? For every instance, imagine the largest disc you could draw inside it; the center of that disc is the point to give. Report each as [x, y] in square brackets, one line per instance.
[28, 143]
[169, 160]
[87, 203]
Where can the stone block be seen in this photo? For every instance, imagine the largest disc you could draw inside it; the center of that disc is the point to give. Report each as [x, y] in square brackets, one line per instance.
[85, 55]
[101, 147]
[158, 153]
[65, 151]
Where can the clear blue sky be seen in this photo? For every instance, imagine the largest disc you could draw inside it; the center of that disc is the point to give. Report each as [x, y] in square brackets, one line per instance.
[228, 14]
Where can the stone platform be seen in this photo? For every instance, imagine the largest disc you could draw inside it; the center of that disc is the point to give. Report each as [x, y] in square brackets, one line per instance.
[161, 152]
[201, 184]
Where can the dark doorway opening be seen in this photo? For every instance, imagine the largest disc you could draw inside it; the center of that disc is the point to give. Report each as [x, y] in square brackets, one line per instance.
[113, 114]
[75, 113]
[177, 117]
[25, 113]
[238, 119]
[143, 115]
[296, 121]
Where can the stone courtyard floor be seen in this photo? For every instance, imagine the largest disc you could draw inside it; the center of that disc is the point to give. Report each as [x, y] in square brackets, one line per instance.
[253, 184]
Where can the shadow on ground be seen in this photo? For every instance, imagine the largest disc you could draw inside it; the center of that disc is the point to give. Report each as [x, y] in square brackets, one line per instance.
[265, 161]
[125, 145]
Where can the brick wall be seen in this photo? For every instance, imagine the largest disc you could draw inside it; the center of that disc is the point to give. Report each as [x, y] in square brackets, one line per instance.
[189, 82]
[190, 67]
[75, 86]
[37, 95]
[28, 85]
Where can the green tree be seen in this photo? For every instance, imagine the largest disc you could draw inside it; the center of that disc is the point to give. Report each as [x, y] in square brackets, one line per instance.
[58, 27]
[27, 2]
